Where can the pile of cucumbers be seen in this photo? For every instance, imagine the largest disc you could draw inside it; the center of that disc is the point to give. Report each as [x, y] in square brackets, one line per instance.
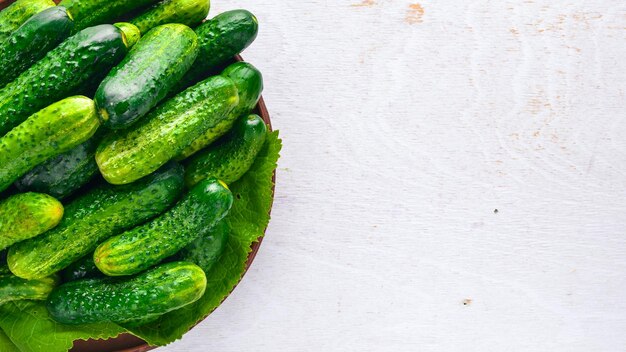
[122, 123]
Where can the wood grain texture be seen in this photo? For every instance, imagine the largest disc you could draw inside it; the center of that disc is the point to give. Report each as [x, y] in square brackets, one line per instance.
[406, 124]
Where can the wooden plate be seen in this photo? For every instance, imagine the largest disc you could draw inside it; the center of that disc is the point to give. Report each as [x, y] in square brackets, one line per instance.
[128, 342]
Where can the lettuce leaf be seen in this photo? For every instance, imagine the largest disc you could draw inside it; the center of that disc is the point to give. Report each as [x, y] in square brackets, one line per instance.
[248, 219]
[5, 343]
[31, 329]
[28, 325]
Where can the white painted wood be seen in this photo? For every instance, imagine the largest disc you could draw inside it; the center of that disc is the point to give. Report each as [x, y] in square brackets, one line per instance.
[404, 129]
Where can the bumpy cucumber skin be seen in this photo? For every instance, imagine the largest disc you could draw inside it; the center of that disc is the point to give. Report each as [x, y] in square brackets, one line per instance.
[92, 218]
[146, 245]
[64, 174]
[19, 12]
[64, 71]
[29, 43]
[46, 134]
[249, 82]
[89, 13]
[81, 269]
[13, 288]
[157, 291]
[207, 249]
[131, 32]
[232, 156]
[145, 76]
[128, 155]
[27, 215]
[187, 12]
[219, 39]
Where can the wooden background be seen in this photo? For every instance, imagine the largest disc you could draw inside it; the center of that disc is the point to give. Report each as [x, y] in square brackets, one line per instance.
[453, 179]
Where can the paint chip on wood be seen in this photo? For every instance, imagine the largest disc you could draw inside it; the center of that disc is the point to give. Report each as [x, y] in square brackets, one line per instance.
[365, 3]
[414, 14]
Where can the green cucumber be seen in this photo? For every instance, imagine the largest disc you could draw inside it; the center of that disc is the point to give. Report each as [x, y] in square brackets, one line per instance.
[85, 56]
[128, 155]
[27, 215]
[89, 13]
[46, 134]
[13, 288]
[219, 39]
[249, 82]
[92, 218]
[187, 12]
[131, 35]
[64, 174]
[29, 43]
[131, 32]
[155, 292]
[146, 74]
[207, 249]
[19, 12]
[83, 268]
[232, 156]
[146, 245]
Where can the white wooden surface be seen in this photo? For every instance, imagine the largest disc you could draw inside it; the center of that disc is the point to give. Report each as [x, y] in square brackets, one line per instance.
[405, 126]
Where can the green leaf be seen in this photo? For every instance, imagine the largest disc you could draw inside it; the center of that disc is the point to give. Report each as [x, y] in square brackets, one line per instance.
[29, 326]
[5, 343]
[248, 219]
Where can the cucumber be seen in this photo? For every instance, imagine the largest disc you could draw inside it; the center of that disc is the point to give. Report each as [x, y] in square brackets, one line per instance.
[219, 39]
[131, 35]
[232, 156]
[19, 12]
[152, 293]
[146, 245]
[89, 13]
[13, 288]
[64, 174]
[30, 42]
[27, 215]
[128, 155]
[131, 32]
[47, 133]
[146, 74]
[81, 269]
[249, 82]
[92, 218]
[206, 250]
[187, 12]
[87, 55]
